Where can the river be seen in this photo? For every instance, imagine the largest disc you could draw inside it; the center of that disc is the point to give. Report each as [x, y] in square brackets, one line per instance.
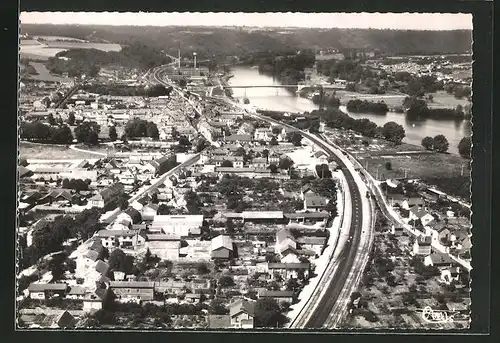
[282, 100]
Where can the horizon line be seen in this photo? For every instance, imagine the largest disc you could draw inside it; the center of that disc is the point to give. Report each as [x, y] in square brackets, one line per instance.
[249, 27]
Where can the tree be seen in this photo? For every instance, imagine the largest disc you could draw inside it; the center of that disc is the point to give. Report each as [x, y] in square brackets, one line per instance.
[273, 141]
[217, 307]
[112, 133]
[201, 144]
[51, 119]
[285, 163]
[273, 168]
[428, 142]
[23, 162]
[71, 119]
[464, 147]
[119, 261]
[87, 132]
[152, 130]
[164, 210]
[202, 269]
[227, 164]
[182, 83]
[268, 313]
[440, 143]
[393, 132]
[388, 165]
[296, 139]
[226, 281]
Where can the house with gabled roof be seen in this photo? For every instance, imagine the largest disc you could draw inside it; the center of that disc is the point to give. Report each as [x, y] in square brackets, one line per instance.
[106, 195]
[242, 313]
[315, 202]
[438, 259]
[418, 213]
[279, 296]
[221, 247]
[44, 291]
[289, 270]
[422, 245]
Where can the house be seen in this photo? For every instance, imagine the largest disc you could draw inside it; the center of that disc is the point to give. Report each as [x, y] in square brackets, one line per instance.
[44, 291]
[133, 290]
[263, 216]
[183, 225]
[461, 240]
[321, 157]
[289, 270]
[448, 275]
[57, 195]
[397, 200]
[239, 138]
[263, 133]
[221, 247]
[418, 213]
[170, 287]
[149, 211]
[127, 239]
[315, 244]
[76, 292]
[164, 246]
[193, 297]
[279, 296]
[94, 301]
[57, 319]
[397, 230]
[308, 218]
[260, 162]
[442, 235]
[201, 285]
[289, 255]
[306, 190]
[422, 246]
[107, 195]
[242, 313]
[284, 239]
[412, 202]
[315, 202]
[438, 259]
[237, 161]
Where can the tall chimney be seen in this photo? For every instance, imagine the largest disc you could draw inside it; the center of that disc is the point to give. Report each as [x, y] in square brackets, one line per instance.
[179, 56]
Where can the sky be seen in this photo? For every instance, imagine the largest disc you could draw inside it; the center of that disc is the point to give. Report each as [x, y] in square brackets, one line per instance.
[401, 21]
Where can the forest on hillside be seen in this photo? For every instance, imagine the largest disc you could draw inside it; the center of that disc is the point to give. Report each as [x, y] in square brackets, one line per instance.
[210, 42]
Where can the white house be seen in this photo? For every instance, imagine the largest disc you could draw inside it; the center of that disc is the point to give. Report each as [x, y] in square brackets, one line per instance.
[181, 225]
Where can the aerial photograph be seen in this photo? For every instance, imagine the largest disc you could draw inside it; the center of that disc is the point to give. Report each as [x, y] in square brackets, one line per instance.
[244, 171]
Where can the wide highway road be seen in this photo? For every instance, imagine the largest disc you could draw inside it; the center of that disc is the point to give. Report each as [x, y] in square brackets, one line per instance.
[348, 254]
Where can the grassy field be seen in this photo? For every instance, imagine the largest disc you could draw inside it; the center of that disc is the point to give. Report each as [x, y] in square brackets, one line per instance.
[47, 151]
[391, 100]
[34, 50]
[418, 166]
[445, 100]
[43, 73]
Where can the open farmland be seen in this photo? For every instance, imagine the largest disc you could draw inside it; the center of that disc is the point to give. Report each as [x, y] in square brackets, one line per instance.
[442, 99]
[46, 151]
[42, 51]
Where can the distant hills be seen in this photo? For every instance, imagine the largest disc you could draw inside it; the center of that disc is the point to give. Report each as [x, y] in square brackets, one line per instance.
[210, 41]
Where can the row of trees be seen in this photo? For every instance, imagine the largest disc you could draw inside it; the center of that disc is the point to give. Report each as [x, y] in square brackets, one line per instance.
[417, 108]
[439, 143]
[48, 238]
[39, 132]
[141, 128]
[125, 90]
[88, 61]
[358, 105]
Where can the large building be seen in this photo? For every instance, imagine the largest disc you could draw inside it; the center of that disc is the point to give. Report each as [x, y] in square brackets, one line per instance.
[182, 225]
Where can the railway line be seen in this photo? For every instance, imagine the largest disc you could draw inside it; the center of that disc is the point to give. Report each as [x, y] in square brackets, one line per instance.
[350, 250]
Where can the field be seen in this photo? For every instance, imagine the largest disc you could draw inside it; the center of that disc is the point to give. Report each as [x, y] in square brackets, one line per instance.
[35, 50]
[43, 73]
[392, 100]
[47, 151]
[444, 100]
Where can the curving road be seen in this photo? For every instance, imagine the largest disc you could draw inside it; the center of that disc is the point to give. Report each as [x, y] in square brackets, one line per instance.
[354, 252]
[350, 249]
